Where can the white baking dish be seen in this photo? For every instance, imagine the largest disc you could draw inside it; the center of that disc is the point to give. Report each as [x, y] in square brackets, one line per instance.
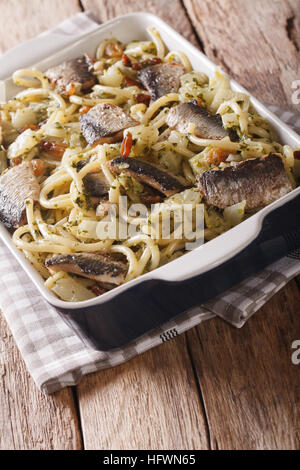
[211, 254]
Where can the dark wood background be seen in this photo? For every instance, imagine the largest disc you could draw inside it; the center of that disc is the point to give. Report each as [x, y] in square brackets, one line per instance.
[215, 387]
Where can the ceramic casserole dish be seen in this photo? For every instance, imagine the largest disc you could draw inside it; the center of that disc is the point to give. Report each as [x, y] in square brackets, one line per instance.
[130, 310]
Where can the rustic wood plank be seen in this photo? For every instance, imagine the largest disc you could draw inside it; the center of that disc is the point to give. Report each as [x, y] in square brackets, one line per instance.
[149, 403]
[28, 418]
[254, 404]
[152, 402]
[21, 20]
[271, 81]
[174, 15]
[250, 386]
[256, 42]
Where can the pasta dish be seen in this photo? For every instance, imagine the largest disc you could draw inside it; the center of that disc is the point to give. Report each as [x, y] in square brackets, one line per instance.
[134, 120]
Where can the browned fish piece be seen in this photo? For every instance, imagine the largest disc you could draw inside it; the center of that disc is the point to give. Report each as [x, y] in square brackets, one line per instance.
[148, 174]
[96, 184]
[258, 181]
[16, 185]
[63, 76]
[105, 123]
[208, 125]
[81, 164]
[100, 267]
[161, 79]
[151, 196]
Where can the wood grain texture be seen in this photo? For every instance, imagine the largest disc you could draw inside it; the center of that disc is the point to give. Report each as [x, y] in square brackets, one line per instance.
[150, 403]
[256, 42]
[215, 387]
[246, 40]
[23, 19]
[250, 388]
[28, 418]
[171, 12]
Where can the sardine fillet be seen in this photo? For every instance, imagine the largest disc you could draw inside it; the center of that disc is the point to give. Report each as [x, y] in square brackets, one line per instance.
[148, 174]
[258, 181]
[105, 123]
[17, 185]
[161, 79]
[208, 125]
[101, 268]
[73, 71]
[96, 184]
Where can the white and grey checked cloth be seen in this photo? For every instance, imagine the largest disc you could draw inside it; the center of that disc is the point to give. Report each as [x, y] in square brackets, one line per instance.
[54, 355]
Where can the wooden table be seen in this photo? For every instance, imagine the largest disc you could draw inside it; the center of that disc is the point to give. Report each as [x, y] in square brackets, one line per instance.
[215, 387]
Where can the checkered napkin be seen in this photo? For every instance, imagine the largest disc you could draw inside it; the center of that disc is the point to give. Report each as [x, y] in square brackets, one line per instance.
[54, 355]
